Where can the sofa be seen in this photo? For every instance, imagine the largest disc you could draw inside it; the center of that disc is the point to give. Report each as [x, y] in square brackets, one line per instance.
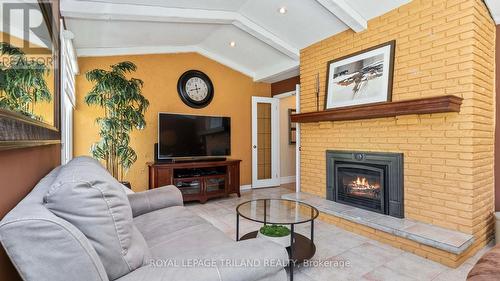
[79, 224]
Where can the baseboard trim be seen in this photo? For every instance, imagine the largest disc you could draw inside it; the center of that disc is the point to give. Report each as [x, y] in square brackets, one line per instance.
[283, 180]
[246, 187]
[289, 179]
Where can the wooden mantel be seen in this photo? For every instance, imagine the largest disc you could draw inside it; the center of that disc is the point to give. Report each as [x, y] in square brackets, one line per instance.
[385, 109]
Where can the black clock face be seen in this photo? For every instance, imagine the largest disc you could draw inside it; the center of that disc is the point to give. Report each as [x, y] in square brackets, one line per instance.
[195, 89]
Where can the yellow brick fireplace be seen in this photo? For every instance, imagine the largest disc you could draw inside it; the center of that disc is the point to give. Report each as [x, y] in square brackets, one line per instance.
[442, 48]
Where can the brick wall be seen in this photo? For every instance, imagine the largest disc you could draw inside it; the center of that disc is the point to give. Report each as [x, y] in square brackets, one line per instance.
[442, 48]
[497, 125]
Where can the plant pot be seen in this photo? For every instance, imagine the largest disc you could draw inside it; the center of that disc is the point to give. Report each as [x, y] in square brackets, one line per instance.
[127, 184]
[284, 240]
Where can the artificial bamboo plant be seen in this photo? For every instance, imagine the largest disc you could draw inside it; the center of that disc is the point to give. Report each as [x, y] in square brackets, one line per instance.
[124, 108]
[22, 81]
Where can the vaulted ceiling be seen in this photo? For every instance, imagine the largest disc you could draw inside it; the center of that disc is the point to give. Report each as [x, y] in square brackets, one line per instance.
[494, 6]
[250, 36]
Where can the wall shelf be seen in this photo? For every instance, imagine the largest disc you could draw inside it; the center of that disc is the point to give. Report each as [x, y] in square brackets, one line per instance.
[385, 109]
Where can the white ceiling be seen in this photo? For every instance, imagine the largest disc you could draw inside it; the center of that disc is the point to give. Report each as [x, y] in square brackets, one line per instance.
[267, 43]
[305, 23]
[112, 34]
[494, 6]
[217, 5]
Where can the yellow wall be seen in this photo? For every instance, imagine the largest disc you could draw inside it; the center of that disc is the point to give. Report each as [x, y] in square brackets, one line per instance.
[160, 73]
[442, 48]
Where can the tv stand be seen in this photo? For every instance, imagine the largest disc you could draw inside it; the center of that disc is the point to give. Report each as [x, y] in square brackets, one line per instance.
[198, 180]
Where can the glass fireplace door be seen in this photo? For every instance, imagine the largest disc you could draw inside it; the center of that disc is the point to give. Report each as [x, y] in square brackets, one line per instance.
[360, 186]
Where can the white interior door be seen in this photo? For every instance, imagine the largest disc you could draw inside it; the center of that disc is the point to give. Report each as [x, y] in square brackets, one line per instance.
[265, 142]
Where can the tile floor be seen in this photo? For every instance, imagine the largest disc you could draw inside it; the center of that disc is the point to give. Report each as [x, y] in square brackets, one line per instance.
[357, 257]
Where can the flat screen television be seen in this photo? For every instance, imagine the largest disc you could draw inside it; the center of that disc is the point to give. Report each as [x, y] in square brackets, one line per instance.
[193, 136]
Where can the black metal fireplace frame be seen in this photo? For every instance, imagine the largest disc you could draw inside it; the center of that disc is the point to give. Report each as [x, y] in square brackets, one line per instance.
[393, 163]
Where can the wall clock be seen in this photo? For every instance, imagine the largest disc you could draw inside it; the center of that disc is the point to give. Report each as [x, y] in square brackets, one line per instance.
[195, 89]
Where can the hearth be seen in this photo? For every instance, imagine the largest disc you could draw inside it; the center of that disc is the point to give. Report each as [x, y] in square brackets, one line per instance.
[372, 181]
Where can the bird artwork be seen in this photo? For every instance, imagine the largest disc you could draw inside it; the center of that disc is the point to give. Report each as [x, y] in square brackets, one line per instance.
[361, 78]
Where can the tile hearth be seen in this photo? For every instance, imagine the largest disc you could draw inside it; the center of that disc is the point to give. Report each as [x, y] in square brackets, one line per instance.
[370, 259]
[448, 240]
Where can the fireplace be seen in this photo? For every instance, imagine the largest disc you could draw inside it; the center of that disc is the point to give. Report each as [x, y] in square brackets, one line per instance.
[372, 181]
[361, 186]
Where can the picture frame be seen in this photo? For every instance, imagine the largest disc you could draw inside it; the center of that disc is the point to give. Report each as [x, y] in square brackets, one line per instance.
[292, 127]
[19, 131]
[360, 78]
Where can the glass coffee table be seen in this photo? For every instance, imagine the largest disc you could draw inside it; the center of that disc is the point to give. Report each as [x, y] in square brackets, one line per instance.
[282, 212]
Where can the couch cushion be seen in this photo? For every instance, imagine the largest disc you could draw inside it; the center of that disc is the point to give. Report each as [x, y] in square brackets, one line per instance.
[87, 196]
[39, 242]
[166, 229]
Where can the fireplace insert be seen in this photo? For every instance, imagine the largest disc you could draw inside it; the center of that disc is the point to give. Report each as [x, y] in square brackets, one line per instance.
[361, 185]
[372, 181]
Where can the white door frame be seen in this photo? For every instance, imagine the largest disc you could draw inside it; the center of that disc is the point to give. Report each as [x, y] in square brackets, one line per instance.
[275, 143]
[295, 93]
[69, 69]
[297, 140]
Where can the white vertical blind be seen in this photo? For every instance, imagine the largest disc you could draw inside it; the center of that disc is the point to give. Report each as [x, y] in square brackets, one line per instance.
[69, 68]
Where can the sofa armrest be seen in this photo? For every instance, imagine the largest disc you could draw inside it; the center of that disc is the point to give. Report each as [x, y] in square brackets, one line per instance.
[249, 260]
[155, 199]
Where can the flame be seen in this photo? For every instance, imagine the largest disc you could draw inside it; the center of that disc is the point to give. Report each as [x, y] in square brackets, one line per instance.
[362, 183]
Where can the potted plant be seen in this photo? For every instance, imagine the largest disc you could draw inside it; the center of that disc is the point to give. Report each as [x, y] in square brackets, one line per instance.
[22, 81]
[277, 233]
[124, 107]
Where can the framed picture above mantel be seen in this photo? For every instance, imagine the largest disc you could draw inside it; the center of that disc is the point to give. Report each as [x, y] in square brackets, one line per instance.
[361, 78]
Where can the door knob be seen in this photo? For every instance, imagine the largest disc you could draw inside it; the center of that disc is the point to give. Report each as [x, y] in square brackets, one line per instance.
[254, 147]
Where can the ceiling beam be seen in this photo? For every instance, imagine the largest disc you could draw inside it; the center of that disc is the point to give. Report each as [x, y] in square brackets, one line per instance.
[110, 11]
[227, 62]
[142, 50]
[345, 13]
[269, 75]
[100, 52]
[265, 36]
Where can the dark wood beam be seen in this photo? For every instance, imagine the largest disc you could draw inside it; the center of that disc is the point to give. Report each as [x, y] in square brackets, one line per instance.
[284, 86]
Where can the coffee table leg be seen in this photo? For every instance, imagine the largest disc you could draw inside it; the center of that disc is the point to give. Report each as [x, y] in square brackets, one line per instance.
[237, 227]
[265, 211]
[292, 260]
[312, 231]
